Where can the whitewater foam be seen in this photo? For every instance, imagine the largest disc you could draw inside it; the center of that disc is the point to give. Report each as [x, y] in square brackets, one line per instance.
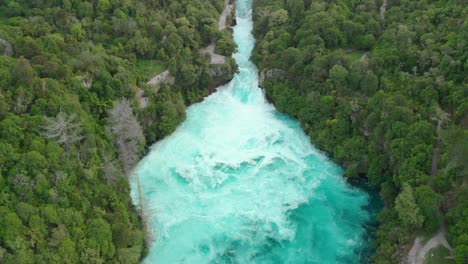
[238, 182]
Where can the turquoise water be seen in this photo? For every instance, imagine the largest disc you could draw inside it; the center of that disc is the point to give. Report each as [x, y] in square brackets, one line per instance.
[239, 182]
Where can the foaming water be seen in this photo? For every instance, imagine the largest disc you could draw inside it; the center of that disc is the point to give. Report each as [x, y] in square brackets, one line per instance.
[239, 182]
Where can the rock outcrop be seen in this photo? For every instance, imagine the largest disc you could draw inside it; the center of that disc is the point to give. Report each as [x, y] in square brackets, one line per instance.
[215, 58]
[270, 74]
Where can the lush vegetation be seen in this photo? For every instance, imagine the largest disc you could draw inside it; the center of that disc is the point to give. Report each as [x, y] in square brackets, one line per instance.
[149, 68]
[397, 114]
[68, 137]
[439, 255]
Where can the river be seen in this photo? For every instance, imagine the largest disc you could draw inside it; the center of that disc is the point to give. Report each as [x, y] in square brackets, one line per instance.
[239, 182]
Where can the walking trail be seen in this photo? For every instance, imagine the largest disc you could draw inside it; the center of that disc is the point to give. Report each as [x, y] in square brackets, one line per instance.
[419, 251]
[226, 12]
[383, 9]
[166, 77]
[210, 50]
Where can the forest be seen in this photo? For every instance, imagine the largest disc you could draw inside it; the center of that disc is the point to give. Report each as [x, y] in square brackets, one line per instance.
[382, 89]
[384, 94]
[72, 127]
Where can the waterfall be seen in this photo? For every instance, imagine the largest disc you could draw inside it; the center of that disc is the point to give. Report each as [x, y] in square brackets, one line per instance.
[239, 182]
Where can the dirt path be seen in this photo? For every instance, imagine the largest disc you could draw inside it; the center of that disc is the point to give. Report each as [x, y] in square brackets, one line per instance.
[166, 77]
[215, 58]
[210, 50]
[419, 251]
[224, 15]
[442, 119]
[436, 154]
[383, 9]
[163, 77]
[364, 56]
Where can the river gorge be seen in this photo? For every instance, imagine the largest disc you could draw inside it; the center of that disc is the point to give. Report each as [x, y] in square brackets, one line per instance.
[239, 182]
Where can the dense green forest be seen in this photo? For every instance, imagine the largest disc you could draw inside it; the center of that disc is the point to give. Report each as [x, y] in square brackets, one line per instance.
[385, 94]
[71, 128]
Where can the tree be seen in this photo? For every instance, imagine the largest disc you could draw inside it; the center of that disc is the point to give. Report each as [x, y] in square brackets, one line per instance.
[428, 201]
[103, 6]
[407, 209]
[461, 254]
[23, 186]
[99, 233]
[339, 76]
[456, 141]
[369, 83]
[112, 173]
[64, 129]
[128, 134]
[67, 251]
[10, 130]
[10, 227]
[23, 72]
[278, 18]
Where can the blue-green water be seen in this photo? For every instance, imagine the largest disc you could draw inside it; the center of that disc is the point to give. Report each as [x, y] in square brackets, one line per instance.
[239, 182]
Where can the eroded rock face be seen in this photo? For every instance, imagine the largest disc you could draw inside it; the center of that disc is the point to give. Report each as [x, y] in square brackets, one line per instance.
[270, 74]
[6, 49]
[220, 71]
[215, 59]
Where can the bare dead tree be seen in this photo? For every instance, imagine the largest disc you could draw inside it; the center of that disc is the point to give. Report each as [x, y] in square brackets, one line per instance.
[128, 134]
[264, 13]
[112, 172]
[129, 139]
[59, 177]
[64, 129]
